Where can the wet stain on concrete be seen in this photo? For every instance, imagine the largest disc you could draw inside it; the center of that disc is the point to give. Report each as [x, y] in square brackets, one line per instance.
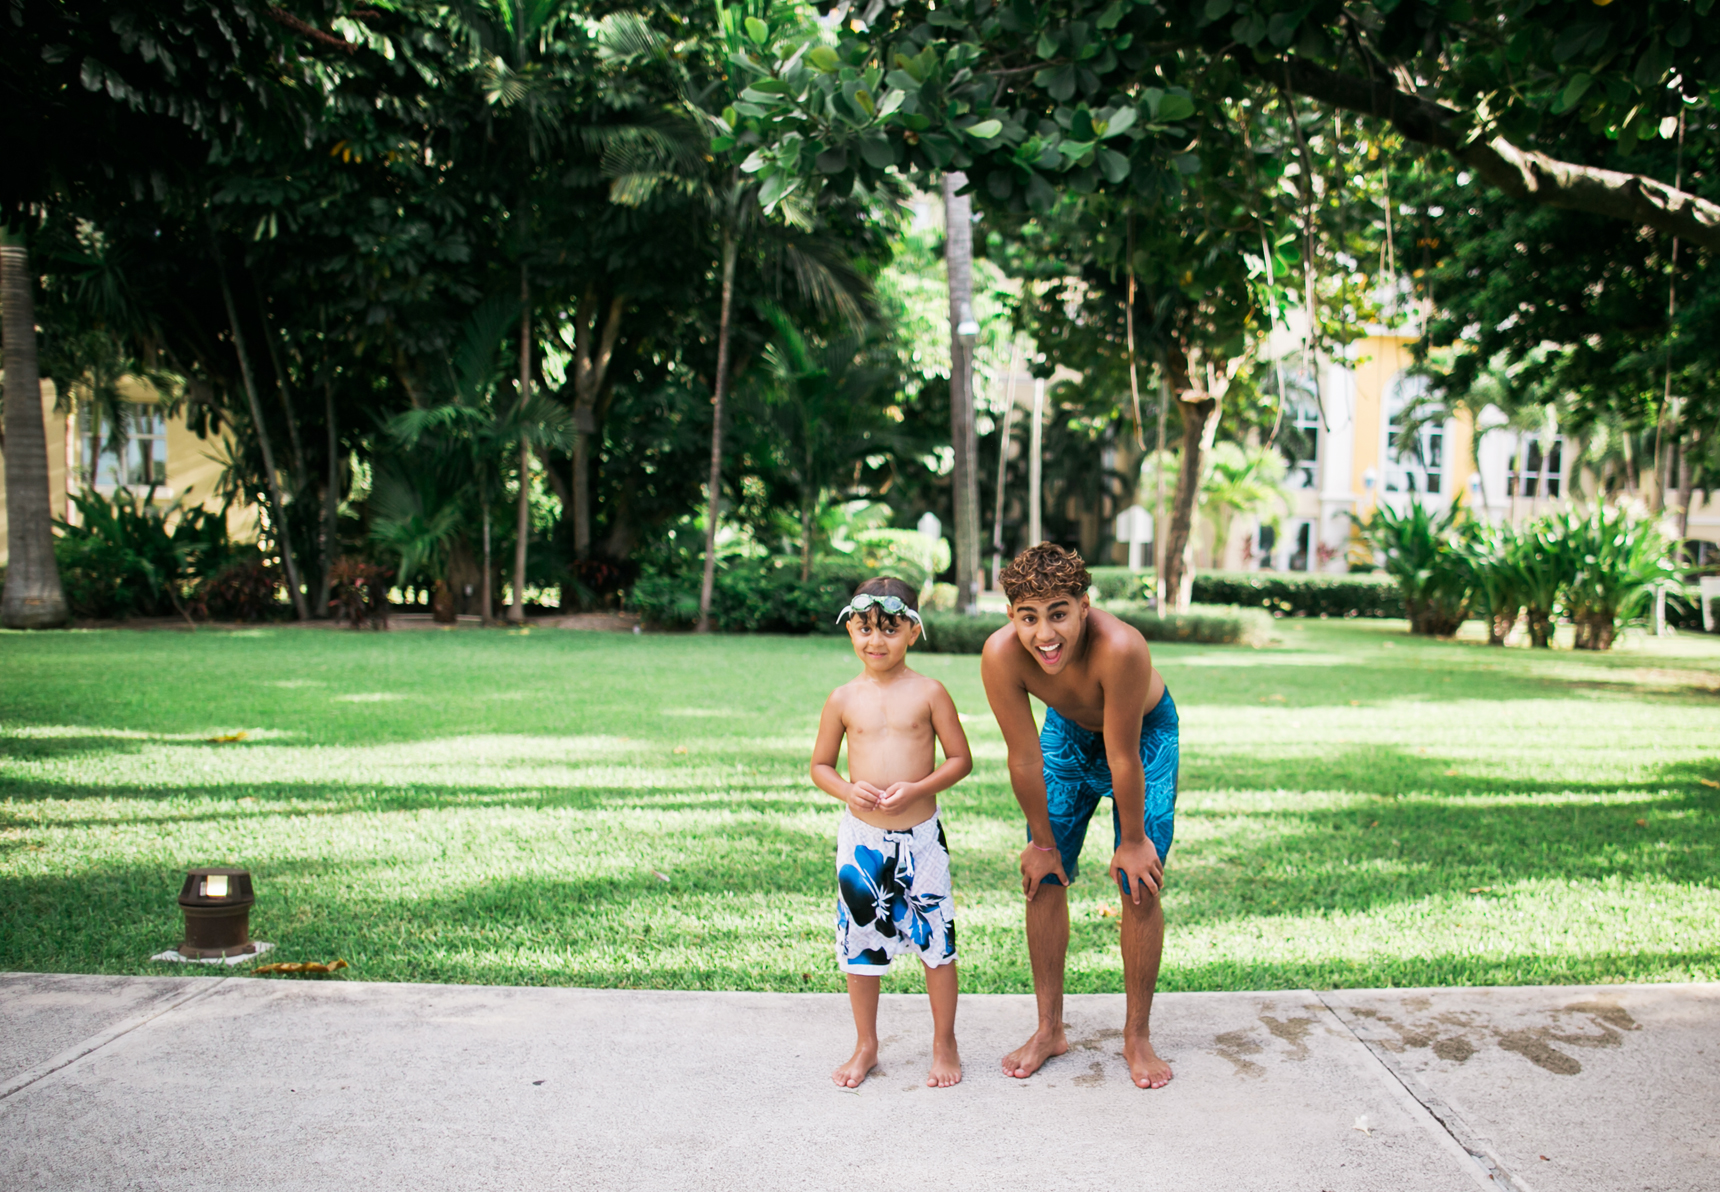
[1533, 1046]
[1096, 1040]
[1095, 1076]
[1456, 1049]
[1539, 1044]
[1293, 1031]
[1234, 1046]
[1608, 1011]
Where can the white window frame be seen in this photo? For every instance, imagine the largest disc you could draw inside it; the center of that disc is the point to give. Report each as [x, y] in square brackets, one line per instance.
[1543, 483]
[1403, 472]
[148, 441]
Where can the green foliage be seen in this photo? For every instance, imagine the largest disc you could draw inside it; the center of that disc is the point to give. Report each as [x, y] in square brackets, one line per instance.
[960, 633]
[1420, 551]
[129, 557]
[750, 596]
[1281, 593]
[1618, 563]
[1208, 624]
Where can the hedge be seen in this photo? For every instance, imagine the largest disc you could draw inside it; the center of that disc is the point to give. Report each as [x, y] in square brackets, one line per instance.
[752, 596]
[957, 633]
[1283, 593]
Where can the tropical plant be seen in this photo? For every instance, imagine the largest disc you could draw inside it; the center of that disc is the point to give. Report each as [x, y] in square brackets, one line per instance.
[126, 556]
[1418, 548]
[1490, 548]
[1619, 562]
[1241, 480]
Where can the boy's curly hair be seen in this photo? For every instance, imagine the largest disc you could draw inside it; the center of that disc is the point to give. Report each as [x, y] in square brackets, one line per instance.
[886, 585]
[1042, 571]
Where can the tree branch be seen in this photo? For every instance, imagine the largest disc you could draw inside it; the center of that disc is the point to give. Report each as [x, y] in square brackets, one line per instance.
[1520, 173]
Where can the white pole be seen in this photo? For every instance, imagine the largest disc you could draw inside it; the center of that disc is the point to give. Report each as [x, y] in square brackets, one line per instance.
[1035, 444]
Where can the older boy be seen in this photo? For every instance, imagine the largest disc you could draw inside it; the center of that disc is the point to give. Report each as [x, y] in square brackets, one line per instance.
[1110, 729]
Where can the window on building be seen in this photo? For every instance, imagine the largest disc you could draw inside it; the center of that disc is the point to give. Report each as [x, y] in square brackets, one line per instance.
[1304, 547]
[1299, 433]
[141, 458]
[1536, 471]
[1417, 466]
[1305, 469]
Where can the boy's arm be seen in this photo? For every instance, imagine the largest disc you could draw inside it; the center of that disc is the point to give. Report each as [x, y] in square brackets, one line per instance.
[1014, 715]
[860, 796]
[1126, 679]
[958, 758]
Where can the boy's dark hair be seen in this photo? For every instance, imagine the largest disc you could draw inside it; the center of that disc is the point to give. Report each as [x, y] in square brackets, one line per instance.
[887, 585]
[1042, 571]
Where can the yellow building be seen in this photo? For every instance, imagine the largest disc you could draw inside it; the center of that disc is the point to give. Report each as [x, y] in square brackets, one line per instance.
[1356, 463]
[164, 450]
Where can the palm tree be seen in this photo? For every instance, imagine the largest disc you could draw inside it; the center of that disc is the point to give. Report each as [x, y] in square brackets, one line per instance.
[33, 598]
[474, 421]
[822, 404]
[675, 151]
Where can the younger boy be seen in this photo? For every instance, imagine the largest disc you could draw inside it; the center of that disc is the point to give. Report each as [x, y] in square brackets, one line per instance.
[893, 866]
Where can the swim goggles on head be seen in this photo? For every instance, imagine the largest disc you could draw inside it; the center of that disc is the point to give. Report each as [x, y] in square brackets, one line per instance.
[893, 606]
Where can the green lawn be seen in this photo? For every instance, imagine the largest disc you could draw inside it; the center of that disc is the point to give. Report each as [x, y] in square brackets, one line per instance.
[1358, 808]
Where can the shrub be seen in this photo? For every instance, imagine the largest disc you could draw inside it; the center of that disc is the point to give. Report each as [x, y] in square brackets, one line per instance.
[958, 633]
[360, 592]
[247, 590]
[1282, 593]
[128, 557]
[955, 633]
[1618, 562]
[749, 596]
[1420, 551]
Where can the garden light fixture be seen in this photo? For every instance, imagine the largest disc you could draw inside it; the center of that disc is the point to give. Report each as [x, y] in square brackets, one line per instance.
[217, 906]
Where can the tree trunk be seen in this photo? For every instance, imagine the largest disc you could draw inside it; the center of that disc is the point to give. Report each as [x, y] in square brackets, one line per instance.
[1200, 426]
[301, 475]
[719, 393]
[331, 501]
[958, 259]
[808, 505]
[1686, 483]
[522, 529]
[488, 608]
[282, 533]
[33, 598]
[593, 348]
[1036, 467]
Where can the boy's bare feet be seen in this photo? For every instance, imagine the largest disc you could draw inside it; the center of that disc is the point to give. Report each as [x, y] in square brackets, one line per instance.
[858, 1067]
[946, 1066]
[1025, 1060]
[1145, 1066]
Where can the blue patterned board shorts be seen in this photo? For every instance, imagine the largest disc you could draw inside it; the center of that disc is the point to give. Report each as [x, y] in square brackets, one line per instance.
[894, 896]
[1078, 775]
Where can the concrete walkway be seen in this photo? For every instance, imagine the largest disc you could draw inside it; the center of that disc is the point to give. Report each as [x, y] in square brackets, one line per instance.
[156, 1082]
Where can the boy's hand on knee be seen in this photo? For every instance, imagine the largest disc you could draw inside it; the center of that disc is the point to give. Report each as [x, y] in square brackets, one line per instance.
[1138, 864]
[1037, 865]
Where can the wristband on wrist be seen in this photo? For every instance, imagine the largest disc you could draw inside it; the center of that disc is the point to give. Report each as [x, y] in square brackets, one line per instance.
[1042, 848]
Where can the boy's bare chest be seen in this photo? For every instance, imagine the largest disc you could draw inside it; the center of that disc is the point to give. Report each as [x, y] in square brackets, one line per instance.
[874, 720]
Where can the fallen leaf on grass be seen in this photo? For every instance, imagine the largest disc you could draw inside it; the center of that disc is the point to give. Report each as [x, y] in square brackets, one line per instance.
[1481, 889]
[1708, 782]
[1451, 773]
[309, 966]
[680, 749]
[661, 876]
[1642, 823]
[1355, 703]
[1107, 911]
[228, 738]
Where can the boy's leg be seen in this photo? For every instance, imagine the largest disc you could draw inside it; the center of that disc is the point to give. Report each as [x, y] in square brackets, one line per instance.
[1047, 946]
[941, 989]
[1143, 943]
[863, 1000]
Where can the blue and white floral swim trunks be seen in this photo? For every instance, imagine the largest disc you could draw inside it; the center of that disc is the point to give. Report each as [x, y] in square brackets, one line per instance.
[893, 896]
